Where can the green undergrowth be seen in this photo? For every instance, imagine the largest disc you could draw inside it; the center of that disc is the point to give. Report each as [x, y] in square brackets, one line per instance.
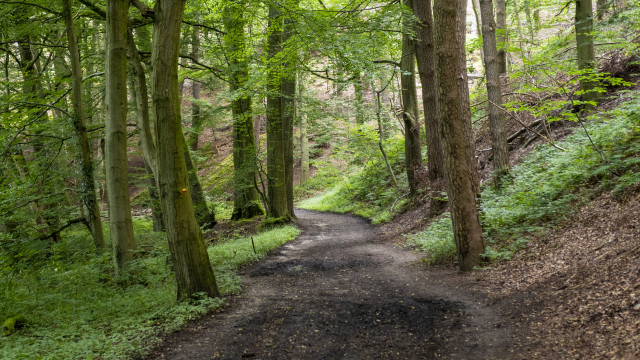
[369, 192]
[76, 309]
[549, 184]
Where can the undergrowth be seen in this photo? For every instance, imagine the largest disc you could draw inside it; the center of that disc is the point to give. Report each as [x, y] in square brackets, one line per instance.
[369, 192]
[549, 184]
[77, 309]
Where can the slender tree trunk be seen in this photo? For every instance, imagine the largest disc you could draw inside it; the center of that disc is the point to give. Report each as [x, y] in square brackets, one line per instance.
[245, 197]
[449, 37]
[603, 8]
[193, 270]
[206, 218]
[425, 56]
[359, 95]
[276, 172]
[196, 117]
[586, 51]
[494, 93]
[79, 124]
[120, 221]
[412, 149]
[304, 137]
[288, 86]
[154, 199]
[501, 34]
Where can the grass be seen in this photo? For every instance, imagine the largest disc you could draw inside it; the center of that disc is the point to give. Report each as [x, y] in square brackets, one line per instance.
[76, 309]
[370, 191]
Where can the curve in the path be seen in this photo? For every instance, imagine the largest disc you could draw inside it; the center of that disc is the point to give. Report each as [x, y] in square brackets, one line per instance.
[336, 293]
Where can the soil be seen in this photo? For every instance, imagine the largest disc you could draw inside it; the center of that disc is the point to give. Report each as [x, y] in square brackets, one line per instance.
[339, 291]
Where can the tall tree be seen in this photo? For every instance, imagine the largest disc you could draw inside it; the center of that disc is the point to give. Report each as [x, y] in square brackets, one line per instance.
[80, 126]
[586, 51]
[412, 149]
[190, 259]
[245, 197]
[196, 116]
[502, 34]
[117, 181]
[494, 94]
[276, 172]
[288, 100]
[205, 216]
[425, 56]
[304, 135]
[449, 38]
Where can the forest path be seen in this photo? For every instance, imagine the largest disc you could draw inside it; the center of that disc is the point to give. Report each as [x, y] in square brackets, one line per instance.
[338, 292]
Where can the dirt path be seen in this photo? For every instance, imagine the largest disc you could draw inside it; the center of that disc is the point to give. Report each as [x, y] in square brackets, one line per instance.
[337, 292]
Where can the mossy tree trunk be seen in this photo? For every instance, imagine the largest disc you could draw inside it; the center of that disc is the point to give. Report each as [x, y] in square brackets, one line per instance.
[502, 34]
[245, 197]
[425, 56]
[196, 116]
[193, 270]
[205, 216]
[455, 123]
[413, 154]
[586, 50]
[117, 182]
[276, 173]
[304, 135]
[494, 94]
[87, 190]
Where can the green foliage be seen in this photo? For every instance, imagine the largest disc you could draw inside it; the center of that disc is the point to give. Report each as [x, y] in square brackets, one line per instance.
[436, 241]
[549, 183]
[370, 192]
[327, 176]
[77, 309]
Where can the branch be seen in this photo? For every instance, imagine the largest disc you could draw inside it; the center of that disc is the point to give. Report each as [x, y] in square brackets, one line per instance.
[31, 4]
[527, 126]
[188, 22]
[391, 62]
[145, 11]
[95, 8]
[59, 230]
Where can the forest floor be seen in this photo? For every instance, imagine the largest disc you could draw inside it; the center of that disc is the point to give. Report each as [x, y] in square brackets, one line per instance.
[341, 291]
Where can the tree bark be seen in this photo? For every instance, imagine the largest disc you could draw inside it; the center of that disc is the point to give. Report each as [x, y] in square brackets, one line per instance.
[193, 270]
[413, 154]
[425, 56]
[120, 222]
[586, 50]
[205, 217]
[196, 116]
[277, 197]
[502, 34]
[88, 190]
[494, 94]
[304, 137]
[288, 87]
[245, 197]
[449, 37]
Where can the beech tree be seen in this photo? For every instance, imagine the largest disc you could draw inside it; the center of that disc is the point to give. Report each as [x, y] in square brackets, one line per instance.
[586, 51]
[120, 222]
[455, 125]
[190, 259]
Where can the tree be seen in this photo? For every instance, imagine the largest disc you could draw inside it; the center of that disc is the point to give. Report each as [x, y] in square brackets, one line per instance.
[502, 34]
[79, 124]
[494, 94]
[196, 116]
[304, 136]
[245, 196]
[193, 270]
[413, 152]
[586, 51]
[120, 222]
[276, 173]
[449, 39]
[425, 57]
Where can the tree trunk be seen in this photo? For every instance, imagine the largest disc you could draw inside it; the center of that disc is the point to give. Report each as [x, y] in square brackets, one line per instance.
[603, 8]
[196, 117]
[586, 51]
[79, 124]
[304, 137]
[193, 270]
[494, 93]
[359, 95]
[154, 199]
[205, 217]
[245, 197]
[501, 34]
[288, 87]
[412, 149]
[449, 37]
[120, 221]
[276, 172]
[426, 66]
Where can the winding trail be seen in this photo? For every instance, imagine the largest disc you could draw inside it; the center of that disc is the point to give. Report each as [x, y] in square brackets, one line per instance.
[338, 292]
